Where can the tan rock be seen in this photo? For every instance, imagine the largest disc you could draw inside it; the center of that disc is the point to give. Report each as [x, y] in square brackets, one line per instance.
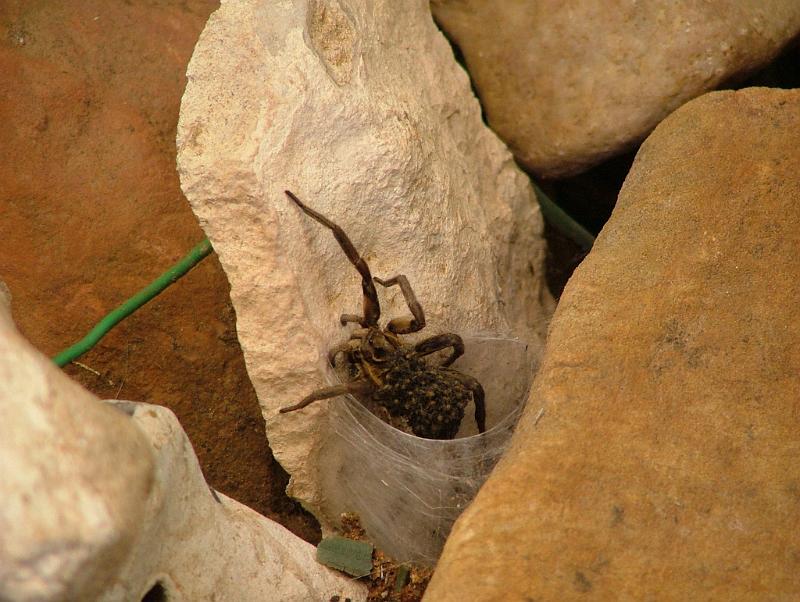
[359, 108]
[100, 505]
[569, 84]
[665, 464]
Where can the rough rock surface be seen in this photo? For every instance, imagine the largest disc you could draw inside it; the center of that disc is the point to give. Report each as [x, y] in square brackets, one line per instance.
[568, 84]
[665, 463]
[99, 505]
[360, 109]
[70, 512]
[198, 548]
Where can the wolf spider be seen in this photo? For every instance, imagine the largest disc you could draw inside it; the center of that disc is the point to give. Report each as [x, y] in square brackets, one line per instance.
[389, 374]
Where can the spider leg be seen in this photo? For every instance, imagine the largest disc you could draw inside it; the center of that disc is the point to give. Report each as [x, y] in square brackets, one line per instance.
[358, 334]
[346, 347]
[442, 341]
[372, 308]
[346, 318]
[407, 324]
[478, 396]
[355, 387]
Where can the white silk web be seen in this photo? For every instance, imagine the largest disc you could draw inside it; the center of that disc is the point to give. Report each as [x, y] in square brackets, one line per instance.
[408, 491]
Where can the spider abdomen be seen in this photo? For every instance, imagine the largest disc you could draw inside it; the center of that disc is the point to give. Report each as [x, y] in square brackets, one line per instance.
[429, 399]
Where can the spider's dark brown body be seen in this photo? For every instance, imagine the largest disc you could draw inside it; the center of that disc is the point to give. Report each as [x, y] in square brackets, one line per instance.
[391, 375]
[430, 399]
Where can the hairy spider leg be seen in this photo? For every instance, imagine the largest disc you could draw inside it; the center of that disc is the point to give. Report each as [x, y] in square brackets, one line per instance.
[357, 387]
[346, 347]
[478, 396]
[406, 324]
[363, 333]
[345, 318]
[372, 308]
[439, 342]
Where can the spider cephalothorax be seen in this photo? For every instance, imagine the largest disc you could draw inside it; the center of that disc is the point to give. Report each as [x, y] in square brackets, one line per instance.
[391, 375]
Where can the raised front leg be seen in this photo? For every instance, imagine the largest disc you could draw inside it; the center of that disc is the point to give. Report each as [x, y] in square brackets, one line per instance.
[372, 308]
[406, 324]
[478, 396]
[357, 387]
[439, 342]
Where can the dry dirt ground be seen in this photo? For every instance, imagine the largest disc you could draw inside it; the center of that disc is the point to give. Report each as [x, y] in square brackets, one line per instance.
[91, 211]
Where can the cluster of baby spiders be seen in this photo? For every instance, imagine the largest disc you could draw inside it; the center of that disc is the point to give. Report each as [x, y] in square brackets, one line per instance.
[386, 373]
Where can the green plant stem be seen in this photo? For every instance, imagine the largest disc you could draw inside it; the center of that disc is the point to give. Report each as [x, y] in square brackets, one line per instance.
[561, 220]
[131, 305]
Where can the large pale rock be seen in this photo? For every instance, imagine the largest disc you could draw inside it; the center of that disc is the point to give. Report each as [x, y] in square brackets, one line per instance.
[665, 464]
[358, 107]
[76, 474]
[100, 505]
[568, 84]
[199, 545]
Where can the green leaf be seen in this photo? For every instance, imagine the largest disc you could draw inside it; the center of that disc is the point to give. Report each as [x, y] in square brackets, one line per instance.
[352, 557]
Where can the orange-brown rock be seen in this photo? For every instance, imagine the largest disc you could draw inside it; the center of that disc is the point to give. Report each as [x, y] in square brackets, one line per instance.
[665, 464]
[91, 211]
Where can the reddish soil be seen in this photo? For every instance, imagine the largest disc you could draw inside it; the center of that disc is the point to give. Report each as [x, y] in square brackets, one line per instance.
[91, 211]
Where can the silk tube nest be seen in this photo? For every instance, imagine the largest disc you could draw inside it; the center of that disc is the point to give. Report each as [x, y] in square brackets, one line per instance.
[408, 491]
